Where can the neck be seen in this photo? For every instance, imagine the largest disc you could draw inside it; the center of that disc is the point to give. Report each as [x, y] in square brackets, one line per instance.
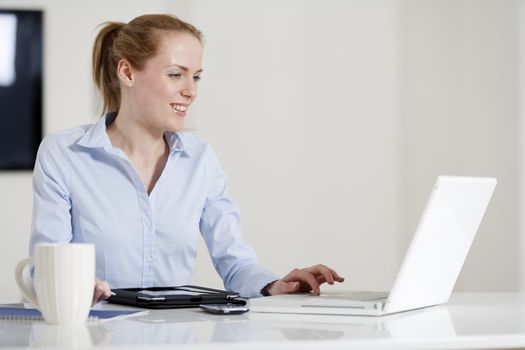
[136, 140]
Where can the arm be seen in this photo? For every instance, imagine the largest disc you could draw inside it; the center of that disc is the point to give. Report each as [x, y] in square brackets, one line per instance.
[234, 259]
[51, 198]
[51, 220]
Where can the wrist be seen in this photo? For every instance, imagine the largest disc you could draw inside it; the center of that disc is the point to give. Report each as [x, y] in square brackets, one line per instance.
[266, 291]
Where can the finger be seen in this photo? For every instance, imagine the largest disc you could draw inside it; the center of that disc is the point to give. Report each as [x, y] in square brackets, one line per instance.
[323, 270]
[334, 274]
[107, 294]
[96, 297]
[290, 287]
[337, 277]
[298, 275]
[106, 291]
[102, 291]
[99, 289]
[320, 279]
[95, 292]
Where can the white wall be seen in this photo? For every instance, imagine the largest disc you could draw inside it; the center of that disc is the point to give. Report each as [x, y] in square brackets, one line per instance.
[460, 116]
[331, 119]
[521, 141]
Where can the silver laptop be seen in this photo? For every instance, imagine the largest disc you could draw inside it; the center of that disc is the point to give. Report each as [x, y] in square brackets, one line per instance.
[431, 266]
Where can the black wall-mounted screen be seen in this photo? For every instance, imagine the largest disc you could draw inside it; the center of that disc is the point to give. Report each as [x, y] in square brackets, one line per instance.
[21, 46]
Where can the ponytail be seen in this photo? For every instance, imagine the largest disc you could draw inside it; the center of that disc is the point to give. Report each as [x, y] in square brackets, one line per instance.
[105, 65]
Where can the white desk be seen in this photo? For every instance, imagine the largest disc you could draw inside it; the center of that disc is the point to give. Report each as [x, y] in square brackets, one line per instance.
[468, 321]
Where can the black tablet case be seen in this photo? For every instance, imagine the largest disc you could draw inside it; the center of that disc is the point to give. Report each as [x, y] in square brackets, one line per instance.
[133, 297]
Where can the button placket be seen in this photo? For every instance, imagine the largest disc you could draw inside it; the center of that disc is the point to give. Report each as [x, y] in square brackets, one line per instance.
[148, 271]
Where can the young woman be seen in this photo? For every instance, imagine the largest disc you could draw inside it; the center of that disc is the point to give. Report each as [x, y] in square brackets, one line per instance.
[139, 187]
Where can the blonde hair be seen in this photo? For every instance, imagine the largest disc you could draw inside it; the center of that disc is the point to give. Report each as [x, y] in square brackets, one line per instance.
[136, 41]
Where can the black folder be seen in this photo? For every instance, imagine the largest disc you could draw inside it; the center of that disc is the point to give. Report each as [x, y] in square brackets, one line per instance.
[173, 297]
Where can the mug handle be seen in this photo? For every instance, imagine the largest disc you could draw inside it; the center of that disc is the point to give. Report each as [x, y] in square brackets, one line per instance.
[27, 290]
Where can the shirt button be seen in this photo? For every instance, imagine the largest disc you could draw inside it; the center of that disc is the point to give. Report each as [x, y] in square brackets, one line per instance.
[150, 259]
[147, 222]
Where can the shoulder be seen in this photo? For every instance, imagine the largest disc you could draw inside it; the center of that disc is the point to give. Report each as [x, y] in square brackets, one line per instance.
[194, 145]
[64, 138]
[200, 151]
[57, 146]
[52, 161]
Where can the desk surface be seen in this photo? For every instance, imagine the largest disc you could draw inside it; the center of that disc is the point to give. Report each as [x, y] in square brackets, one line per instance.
[469, 320]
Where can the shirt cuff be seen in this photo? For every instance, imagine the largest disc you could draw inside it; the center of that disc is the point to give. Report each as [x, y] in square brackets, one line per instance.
[264, 291]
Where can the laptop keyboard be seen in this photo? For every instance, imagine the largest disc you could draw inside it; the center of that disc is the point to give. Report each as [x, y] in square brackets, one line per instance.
[360, 296]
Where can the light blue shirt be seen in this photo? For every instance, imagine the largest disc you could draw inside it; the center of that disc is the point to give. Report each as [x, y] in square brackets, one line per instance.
[86, 190]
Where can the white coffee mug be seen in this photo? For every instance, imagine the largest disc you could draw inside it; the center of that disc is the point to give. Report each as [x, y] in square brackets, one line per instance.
[63, 280]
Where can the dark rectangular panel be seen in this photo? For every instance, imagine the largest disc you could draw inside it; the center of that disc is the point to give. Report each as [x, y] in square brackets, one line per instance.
[21, 47]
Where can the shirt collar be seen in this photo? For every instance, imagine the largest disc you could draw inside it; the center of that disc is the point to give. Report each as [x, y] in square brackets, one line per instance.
[174, 141]
[97, 137]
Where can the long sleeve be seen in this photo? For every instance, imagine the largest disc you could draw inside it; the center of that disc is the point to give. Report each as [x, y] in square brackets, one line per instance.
[233, 258]
[51, 200]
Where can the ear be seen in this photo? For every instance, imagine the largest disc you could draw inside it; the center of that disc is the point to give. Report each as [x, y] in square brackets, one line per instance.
[125, 72]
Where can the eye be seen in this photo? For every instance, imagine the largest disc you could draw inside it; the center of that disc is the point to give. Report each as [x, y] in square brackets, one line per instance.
[174, 75]
[197, 78]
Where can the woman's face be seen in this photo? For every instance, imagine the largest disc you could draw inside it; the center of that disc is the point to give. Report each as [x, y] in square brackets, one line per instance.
[167, 85]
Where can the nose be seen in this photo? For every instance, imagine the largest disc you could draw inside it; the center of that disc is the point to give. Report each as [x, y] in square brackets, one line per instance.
[189, 90]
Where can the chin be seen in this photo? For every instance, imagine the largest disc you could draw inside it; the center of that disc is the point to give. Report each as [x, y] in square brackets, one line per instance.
[175, 128]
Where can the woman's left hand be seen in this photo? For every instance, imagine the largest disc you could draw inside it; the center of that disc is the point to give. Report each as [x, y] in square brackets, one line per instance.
[102, 291]
[304, 280]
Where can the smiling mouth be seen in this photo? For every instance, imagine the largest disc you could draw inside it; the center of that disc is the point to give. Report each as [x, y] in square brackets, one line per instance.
[179, 108]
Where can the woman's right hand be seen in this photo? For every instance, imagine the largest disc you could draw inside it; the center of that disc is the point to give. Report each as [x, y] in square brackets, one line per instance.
[102, 291]
[304, 280]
